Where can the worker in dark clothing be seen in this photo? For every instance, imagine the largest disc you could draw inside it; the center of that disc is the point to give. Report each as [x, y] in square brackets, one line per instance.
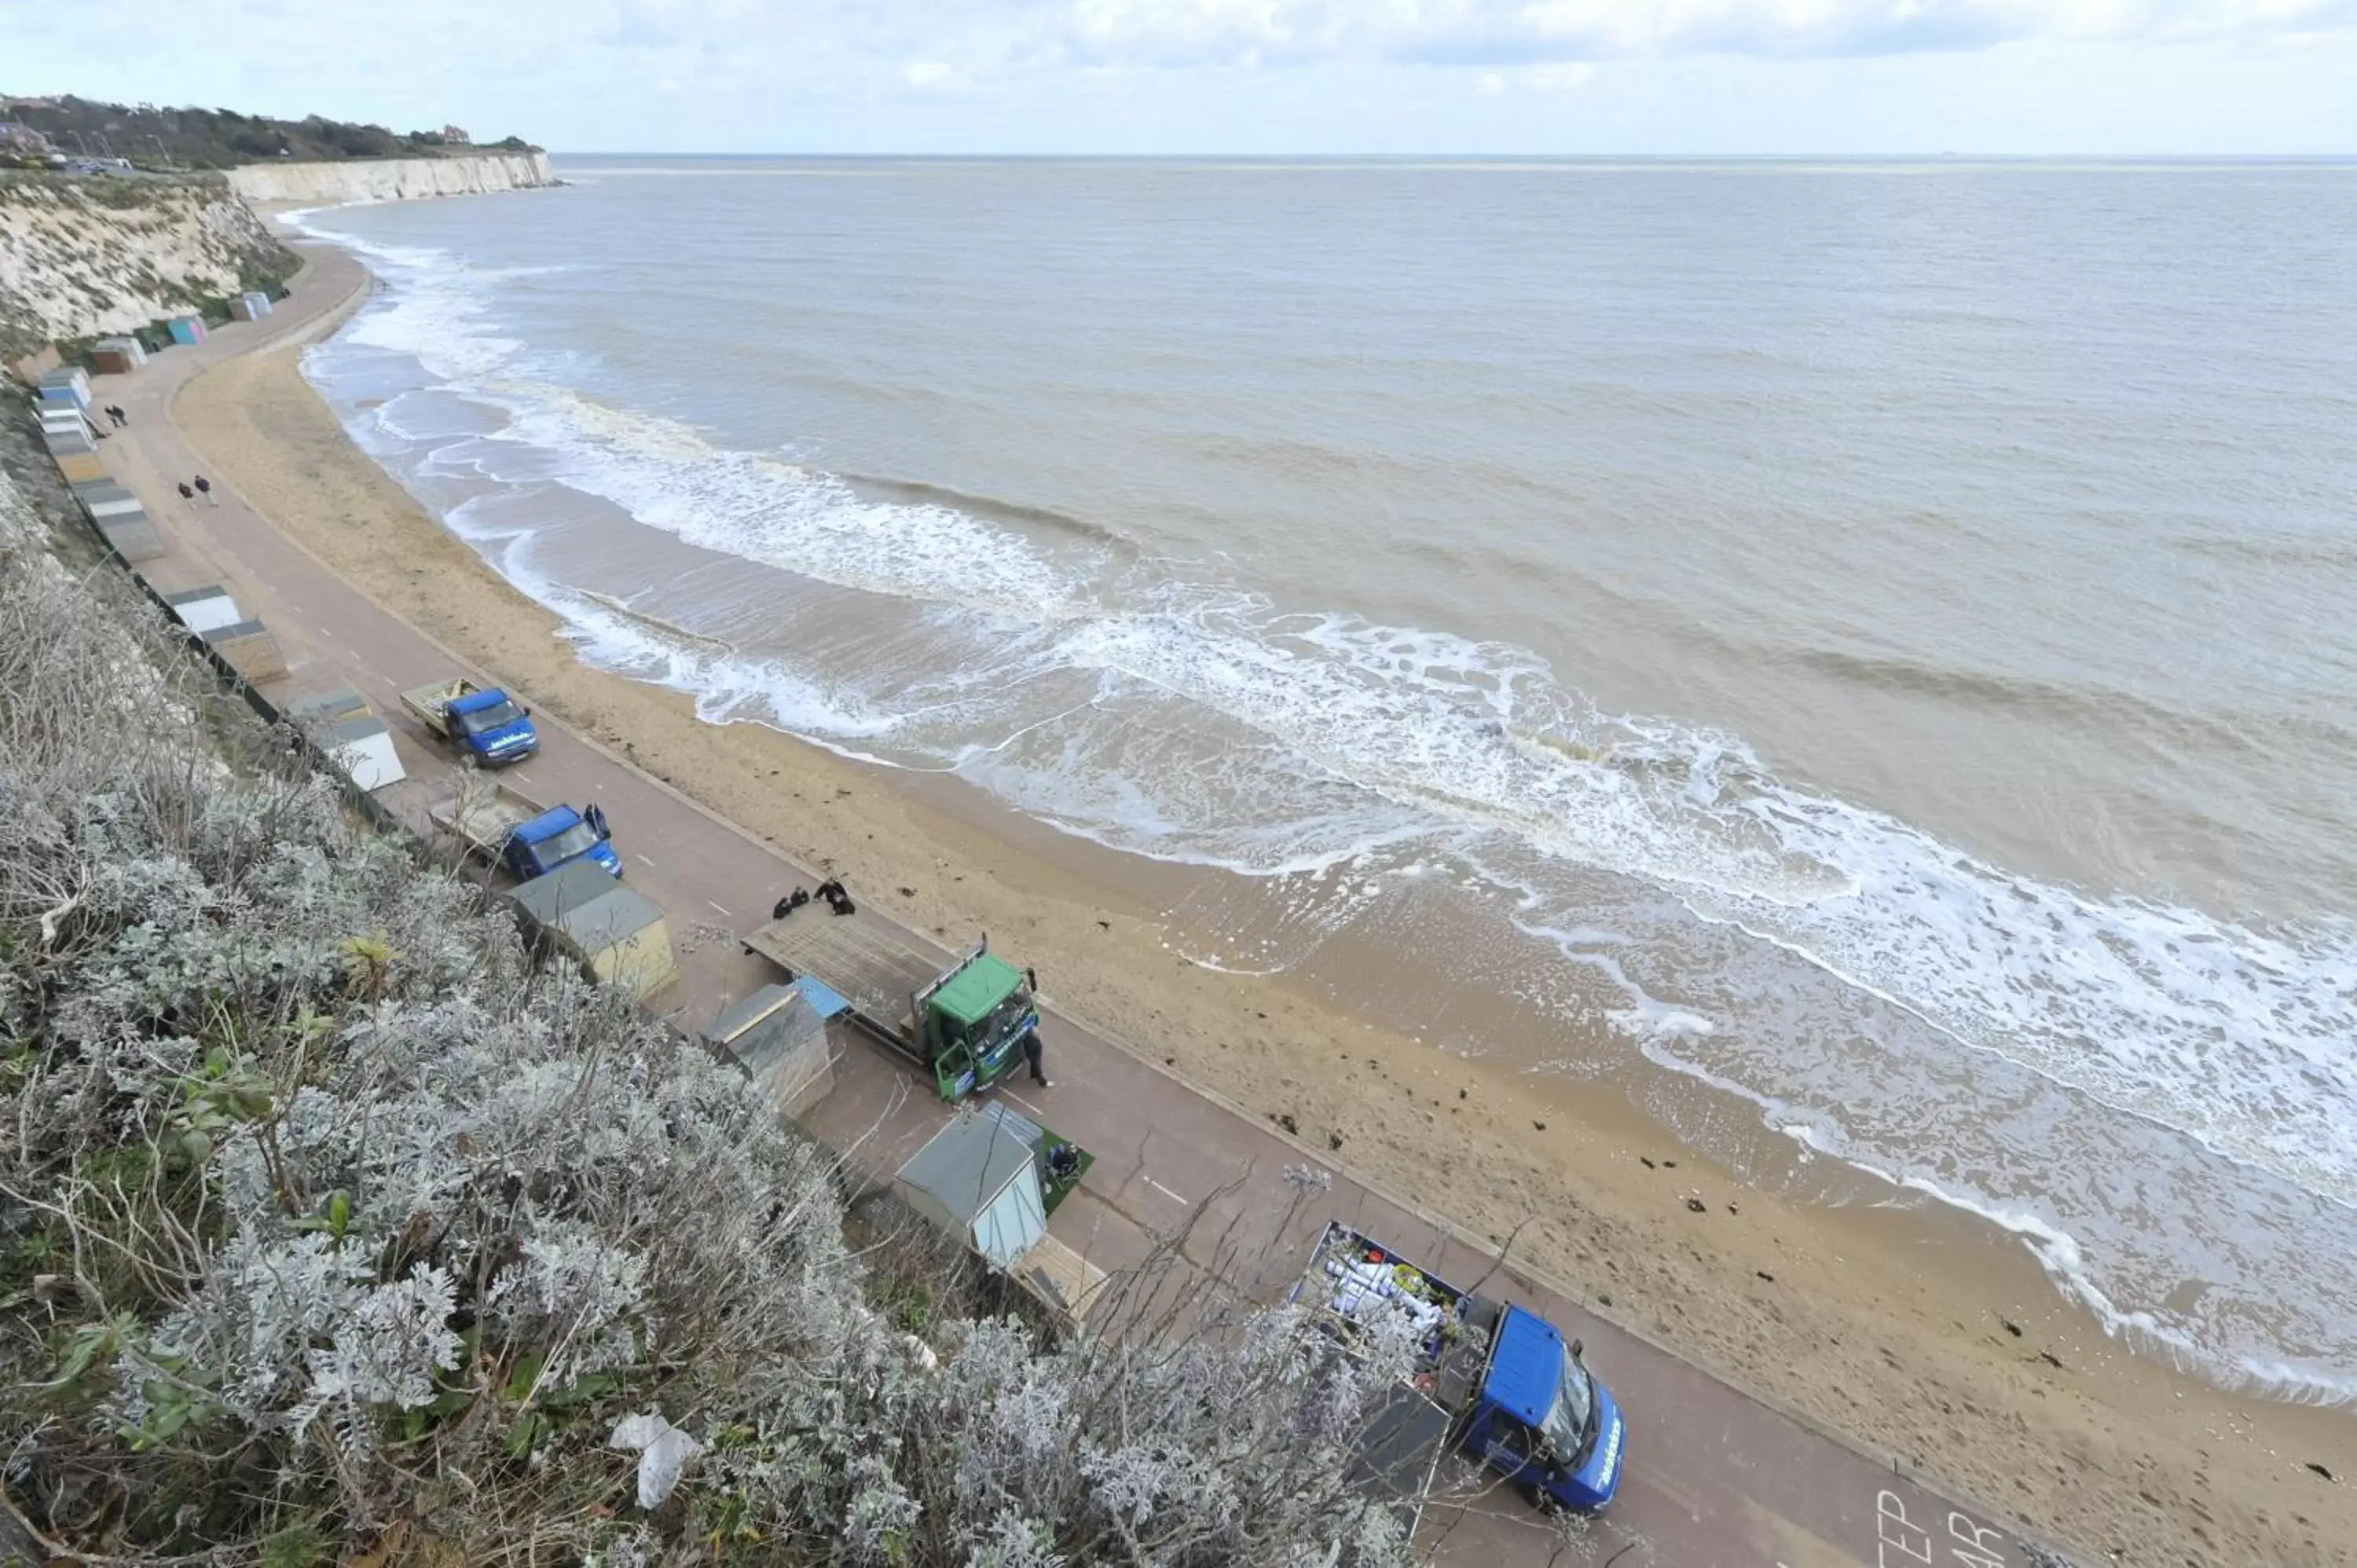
[789, 904]
[114, 412]
[1032, 1052]
[188, 494]
[837, 899]
[205, 488]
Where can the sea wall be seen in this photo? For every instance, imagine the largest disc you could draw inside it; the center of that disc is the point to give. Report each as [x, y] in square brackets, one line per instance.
[83, 257]
[390, 179]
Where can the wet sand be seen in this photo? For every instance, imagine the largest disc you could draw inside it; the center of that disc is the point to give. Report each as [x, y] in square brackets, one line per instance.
[1883, 1318]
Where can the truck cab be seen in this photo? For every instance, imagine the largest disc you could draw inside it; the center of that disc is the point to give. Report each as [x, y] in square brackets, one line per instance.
[557, 836]
[493, 728]
[1542, 1420]
[971, 1021]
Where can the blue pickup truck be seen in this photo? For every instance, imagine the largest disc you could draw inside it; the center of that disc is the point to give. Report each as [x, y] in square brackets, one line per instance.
[486, 723]
[1494, 1380]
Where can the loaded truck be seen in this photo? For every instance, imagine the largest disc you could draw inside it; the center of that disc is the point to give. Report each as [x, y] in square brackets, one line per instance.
[963, 1023]
[485, 722]
[512, 830]
[1494, 1380]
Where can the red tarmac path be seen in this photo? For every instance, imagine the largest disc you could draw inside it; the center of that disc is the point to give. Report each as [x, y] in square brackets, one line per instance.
[1715, 1479]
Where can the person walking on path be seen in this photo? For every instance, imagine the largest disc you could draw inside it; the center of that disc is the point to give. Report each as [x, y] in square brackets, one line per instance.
[187, 496]
[116, 413]
[1032, 1052]
[205, 488]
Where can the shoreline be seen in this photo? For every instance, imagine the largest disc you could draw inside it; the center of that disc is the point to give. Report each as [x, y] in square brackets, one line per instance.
[1882, 1323]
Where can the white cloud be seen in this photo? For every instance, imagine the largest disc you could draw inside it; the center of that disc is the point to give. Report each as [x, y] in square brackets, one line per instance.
[1090, 75]
[1174, 33]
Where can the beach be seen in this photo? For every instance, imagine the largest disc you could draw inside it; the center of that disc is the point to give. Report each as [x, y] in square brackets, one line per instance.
[1880, 1315]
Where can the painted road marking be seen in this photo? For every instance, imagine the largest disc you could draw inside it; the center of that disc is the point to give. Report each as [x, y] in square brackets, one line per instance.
[1020, 1101]
[1900, 1543]
[1164, 1190]
[642, 860]
[717, 907]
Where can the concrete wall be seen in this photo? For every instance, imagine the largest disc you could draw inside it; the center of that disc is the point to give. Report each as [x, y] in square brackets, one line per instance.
[390, 179]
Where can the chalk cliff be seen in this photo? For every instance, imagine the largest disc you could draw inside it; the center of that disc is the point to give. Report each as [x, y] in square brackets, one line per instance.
[83, 257]
[390, 179]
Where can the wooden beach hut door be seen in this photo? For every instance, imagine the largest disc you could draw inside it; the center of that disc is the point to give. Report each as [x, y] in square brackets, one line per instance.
[1011, 1223]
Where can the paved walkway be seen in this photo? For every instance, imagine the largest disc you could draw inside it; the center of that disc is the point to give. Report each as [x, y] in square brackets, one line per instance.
[1715, 1479]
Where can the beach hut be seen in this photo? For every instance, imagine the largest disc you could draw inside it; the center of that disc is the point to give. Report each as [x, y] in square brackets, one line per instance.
[186, 329]
[67, 384]
[117, 356]
[106, 499]
[777, 1036]
[251, 306]
[615, 931]
[251, 651]
[323, 710]
[205, 609]
[977, 1180]
[65, 419]
[78, 465]
[132, 536]
[363, 748]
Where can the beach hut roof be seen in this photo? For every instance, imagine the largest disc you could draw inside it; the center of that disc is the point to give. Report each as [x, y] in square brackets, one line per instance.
[584, 904]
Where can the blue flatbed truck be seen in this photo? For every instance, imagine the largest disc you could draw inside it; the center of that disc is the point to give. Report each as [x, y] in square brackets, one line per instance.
[512, 830]
[493, 728]
[1492, 1379]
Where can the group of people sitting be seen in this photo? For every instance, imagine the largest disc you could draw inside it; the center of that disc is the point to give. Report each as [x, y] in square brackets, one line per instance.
[831, 892]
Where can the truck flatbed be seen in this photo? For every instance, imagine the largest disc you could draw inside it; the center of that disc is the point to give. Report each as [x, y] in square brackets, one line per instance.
[866, 962]
[482, 820]
[429, 703]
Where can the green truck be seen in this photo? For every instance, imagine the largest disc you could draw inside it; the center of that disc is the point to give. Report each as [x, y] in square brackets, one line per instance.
[961, 1022]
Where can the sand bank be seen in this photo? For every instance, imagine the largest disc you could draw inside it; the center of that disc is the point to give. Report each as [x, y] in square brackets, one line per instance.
[1888, 1324]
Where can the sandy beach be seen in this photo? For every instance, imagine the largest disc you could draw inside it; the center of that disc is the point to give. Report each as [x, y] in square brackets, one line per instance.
[1918, 1333]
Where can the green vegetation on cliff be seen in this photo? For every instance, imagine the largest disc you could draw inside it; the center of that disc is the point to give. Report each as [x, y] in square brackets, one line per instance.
[222, 138]
[334, 1223]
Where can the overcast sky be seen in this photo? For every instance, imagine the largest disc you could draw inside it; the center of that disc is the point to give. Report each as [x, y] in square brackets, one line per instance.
[1242, 76]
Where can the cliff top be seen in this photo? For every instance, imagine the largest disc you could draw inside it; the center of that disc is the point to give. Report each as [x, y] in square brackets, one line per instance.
[213, 138]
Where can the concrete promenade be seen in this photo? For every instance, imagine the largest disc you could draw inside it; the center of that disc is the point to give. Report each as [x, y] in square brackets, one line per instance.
[1715, 1479]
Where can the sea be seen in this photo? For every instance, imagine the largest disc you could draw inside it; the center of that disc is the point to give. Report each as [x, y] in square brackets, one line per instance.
[1860, 657]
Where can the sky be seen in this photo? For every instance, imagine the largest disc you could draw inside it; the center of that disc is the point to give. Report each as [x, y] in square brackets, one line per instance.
[1229, 77]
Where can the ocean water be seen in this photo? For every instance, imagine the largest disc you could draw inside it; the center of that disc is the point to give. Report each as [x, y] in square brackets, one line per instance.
[1873, 644]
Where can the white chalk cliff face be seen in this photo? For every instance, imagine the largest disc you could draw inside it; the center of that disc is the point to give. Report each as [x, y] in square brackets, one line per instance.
[83, 257]
[390, 179]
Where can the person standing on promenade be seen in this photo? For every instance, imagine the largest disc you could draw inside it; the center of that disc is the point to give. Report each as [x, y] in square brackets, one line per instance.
[114, 412]
[205, 488]
[1033, 1052]
[187, 496]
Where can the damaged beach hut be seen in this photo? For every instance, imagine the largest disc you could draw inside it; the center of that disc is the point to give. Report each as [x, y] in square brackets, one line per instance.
[777, 1036]
[613, 930]
[362, 748]
[251, 651]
